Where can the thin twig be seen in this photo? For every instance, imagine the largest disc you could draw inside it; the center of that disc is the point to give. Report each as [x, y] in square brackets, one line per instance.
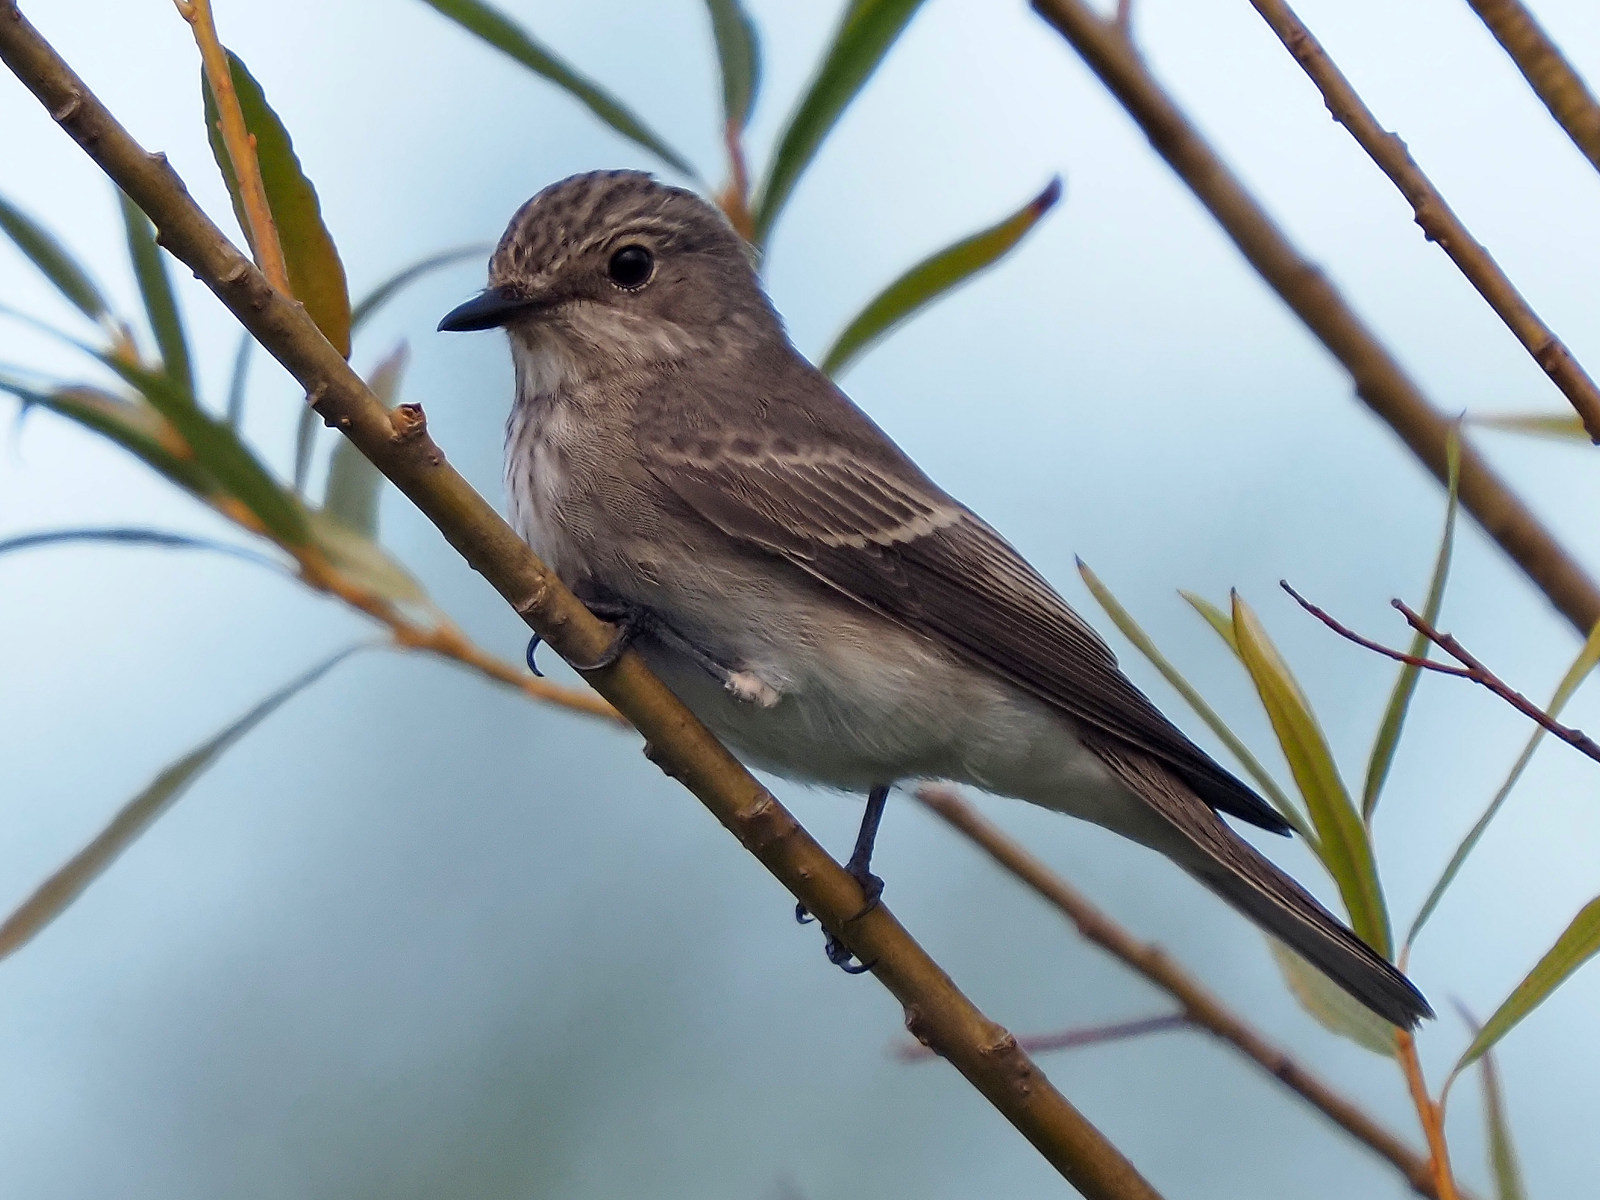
[936, 1011]
[735, 198]
[240, 143]
[1075, 1038]
[1123, 17]
[1198, 1004]
[1547, 71]
[1429, 1113]
[1471, 668]
[1379, 380]
[1438, 221]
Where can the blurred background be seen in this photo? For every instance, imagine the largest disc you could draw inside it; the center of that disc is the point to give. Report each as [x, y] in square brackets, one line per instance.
[418, 937]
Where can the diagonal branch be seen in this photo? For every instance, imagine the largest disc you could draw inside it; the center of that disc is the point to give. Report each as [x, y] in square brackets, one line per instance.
[1202, 1008]
[398, 444]
[1438, 221]
[1547, 71]
[1471, 668]
[1379, 380]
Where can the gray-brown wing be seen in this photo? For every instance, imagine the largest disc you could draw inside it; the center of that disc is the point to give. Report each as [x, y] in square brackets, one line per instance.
[882, 534]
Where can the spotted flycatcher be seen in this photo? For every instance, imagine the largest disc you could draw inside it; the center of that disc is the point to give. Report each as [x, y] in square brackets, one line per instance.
[820, 603]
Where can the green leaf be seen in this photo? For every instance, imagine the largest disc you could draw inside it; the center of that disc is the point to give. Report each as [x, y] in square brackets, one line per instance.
[155, 286]
[1576, 946]
[136, 427]
[1565, 427]
[385, 291]
[367, 563]
[219, 450]
[739, 55]
[238, 382]
[1387, 740]
[1588, 658]
[305, 441]
[123, 536]
[1503, 1166]
[1215, 617]
[1330, 1005]
[865, 34]
[935, 276]
[1341, 837]
[1141, 641]
[353, 482]
[60, 268]
[316, 276]
[494, 27]
[67, 884]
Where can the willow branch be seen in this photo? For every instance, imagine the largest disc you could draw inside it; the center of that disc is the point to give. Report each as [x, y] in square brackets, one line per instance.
[1199, 1006]
[1438, 221]
[1379, 380]
[936, 1012]
[1547, 71]
[240, 143]
[1430, 1114]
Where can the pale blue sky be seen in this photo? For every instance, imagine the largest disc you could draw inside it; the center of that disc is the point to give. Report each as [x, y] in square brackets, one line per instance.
[417, 938]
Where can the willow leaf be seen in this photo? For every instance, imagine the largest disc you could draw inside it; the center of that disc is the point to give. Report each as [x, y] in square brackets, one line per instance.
[1342, 841]
[1387, 740]
[865, 34]
[1214, 617]
[1565, 427]
[155, 288]
[1330, 1005]
[316, 275]
[41, 248]
[1576, 946]
[934, 277]
[127, 536]
[353, 482]
[505, 35]
[52, 896]
[739, 56]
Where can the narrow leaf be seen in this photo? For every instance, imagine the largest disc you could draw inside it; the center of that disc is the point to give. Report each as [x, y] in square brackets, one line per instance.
[1330, 1005]
[739, 55]
[1215, 617]
[1503, 1166]
[385, 291]
[40, 248]
[1565, 427]
[353, 482]
[1588, 658]
[155, 287]
[934, 277]
[122, 536]
[1141, 641]
[316, 276]
[865, 34]
[137, 428]
[305, 441]
[1576, 946]
[367, 563]
[219, 450]
[1387, 740]
[67, 884]
[1341, 837]
[239, 381]
[494, 27]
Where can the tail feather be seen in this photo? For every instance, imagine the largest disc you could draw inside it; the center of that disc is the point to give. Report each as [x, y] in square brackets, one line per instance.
[1229, 866]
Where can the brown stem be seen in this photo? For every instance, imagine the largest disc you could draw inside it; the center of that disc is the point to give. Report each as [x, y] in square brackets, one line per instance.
[735, 198]
[1438, 221]
[1547, 71]
[936, 1011]
[1199, 1005]
[241, 144]
[1429, 1113]
[1380, 382]
[1471, 668]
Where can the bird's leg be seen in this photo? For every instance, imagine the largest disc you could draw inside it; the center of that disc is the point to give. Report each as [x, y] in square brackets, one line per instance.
[630, 620]
[859, 867]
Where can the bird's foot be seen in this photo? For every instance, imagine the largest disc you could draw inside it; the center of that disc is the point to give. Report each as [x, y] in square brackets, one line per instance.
[860, 869]
[629, 619]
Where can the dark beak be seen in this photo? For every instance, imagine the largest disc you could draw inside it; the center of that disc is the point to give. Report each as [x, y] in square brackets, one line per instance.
[490, 309]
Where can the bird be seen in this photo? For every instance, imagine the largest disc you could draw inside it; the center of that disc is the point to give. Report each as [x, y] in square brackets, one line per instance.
[812, 596]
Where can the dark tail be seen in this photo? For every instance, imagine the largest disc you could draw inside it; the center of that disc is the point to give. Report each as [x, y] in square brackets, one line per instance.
[1203, 845]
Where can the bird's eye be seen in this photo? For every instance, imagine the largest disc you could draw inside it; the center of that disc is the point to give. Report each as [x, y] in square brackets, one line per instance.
[630, 267]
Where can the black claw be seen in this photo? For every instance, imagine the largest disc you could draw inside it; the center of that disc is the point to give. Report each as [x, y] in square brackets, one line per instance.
[802, 915]
[628, 621]
[532, 655]
[844, 958]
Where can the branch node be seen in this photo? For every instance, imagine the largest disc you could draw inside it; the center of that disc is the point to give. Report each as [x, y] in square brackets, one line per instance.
[408, 422]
